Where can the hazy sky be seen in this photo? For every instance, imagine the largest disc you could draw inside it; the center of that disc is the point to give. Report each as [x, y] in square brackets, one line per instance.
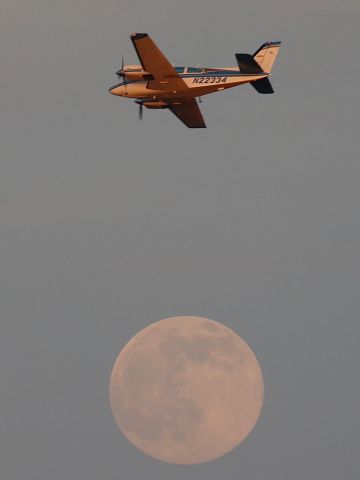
[108, 224]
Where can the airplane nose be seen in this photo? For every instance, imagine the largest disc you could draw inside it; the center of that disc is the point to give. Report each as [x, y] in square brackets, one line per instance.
[112, 90]
[118, 90]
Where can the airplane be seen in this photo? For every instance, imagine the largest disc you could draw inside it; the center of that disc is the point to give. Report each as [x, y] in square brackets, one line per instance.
[157, 84]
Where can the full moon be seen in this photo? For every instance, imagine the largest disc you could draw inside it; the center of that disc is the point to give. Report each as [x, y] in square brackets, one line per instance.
[186, 390]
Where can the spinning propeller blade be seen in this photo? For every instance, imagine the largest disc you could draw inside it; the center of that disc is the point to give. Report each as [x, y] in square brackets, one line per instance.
[120, 73]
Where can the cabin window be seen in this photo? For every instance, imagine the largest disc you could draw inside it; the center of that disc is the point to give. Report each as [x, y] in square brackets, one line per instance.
[194, 70]
[179, 69]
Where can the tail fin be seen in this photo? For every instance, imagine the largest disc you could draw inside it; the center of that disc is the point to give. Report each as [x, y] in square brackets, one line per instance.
[247, 64]
[265, 56]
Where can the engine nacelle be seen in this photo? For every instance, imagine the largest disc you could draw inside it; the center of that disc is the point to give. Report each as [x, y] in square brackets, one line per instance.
[130, 75]
[134, 72]
[155, 104]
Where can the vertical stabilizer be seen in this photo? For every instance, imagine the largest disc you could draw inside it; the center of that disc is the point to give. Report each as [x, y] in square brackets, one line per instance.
[266, 55]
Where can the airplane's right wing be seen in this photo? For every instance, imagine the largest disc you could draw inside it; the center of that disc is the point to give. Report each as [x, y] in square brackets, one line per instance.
[187, 110]
[166, 77]
[151, 58]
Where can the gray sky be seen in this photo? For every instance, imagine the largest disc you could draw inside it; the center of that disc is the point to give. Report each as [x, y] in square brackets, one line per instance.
[108, 224]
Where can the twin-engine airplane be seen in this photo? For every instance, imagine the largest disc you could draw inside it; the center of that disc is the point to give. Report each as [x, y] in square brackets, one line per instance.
[158, 84]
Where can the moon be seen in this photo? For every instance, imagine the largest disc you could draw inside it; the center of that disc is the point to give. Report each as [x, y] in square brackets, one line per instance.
[186, 390]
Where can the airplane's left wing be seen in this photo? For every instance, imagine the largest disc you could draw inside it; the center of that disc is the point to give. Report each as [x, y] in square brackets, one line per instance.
[151, 58]
[187, 110]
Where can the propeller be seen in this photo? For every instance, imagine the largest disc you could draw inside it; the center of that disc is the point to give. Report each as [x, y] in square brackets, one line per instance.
[121, 73]
[140, 102]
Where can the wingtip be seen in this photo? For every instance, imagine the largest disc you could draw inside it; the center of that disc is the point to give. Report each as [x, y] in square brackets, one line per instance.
[138, 36]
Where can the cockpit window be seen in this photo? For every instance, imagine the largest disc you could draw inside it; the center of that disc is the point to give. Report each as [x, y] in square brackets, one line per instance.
[179, 69]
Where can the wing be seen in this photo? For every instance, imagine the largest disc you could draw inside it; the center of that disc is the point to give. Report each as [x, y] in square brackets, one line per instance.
[187, 110]
[151, 58]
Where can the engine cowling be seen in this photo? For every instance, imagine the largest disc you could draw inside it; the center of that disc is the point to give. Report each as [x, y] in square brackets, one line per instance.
[155, 104]
[134, 72]
[138, 75]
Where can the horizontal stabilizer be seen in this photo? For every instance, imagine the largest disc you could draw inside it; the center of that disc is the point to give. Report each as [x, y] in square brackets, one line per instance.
[247, 64]
[263, 86]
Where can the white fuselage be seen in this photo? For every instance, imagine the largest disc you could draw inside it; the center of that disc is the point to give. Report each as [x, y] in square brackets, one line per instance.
[195, 83]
